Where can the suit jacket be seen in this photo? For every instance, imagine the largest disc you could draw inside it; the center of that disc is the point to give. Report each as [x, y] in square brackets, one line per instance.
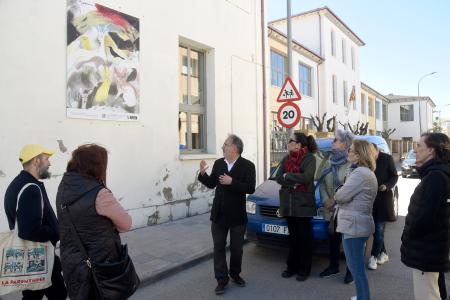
[386, 173]
[229, 200]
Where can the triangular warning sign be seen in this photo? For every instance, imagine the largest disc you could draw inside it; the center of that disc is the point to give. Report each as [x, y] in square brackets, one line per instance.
[288, 92]
[352, 95]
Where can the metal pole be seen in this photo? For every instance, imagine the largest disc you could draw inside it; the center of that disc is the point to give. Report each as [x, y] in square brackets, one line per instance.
[289, 45]
[420, 102]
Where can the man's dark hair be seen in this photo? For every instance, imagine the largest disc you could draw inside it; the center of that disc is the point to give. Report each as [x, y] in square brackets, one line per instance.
[441, 145]
[237, 142]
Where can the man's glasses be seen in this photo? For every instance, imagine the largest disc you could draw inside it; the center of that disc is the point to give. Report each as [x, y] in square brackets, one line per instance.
[292, 141]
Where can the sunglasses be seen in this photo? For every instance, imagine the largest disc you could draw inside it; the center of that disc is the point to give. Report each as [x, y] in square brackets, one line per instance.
[293, 141]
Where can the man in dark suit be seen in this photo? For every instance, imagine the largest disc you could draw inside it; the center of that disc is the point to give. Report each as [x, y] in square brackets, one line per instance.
[233, 177]
[383, 207]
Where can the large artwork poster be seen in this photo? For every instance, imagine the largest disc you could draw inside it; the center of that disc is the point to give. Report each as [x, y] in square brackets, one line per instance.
[102, 63]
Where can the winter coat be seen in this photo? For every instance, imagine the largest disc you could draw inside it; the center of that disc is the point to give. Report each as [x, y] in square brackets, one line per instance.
[297, 203]
[77, 195]
[355, 201]
[229, 200]
[426, 236]
[386, 173]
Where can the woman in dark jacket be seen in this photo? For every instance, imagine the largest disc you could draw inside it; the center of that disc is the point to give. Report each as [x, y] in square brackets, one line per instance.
[425, 238]
[97, 216]
[297, 204]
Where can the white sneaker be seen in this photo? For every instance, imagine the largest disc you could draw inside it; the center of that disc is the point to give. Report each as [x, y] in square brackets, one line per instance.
[354, 298]
[382, 258]
[372, 264]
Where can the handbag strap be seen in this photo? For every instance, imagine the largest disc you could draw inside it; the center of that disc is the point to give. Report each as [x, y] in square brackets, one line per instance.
[18, 198]
[77, 239]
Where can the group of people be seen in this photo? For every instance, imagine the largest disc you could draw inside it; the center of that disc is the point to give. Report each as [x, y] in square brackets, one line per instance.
[355, 181]
[84, 205]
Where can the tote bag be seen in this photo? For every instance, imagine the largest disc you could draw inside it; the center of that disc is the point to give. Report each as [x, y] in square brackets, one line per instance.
[25, 265]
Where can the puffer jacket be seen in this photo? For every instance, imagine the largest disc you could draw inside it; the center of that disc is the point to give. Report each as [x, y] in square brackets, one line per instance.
[355, 201]
[76, 196]
[426, 236]
[295, 203]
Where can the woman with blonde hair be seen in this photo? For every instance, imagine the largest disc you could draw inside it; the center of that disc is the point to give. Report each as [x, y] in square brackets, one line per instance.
[354, 211]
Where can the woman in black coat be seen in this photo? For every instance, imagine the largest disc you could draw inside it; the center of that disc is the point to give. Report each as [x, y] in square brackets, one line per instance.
[383, 207]
[297, 204]
[425, 238]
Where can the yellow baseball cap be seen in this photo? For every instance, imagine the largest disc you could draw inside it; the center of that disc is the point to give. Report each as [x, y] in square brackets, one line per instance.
[30, 151]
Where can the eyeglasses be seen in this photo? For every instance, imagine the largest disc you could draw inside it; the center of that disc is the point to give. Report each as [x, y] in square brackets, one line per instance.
[292, 141]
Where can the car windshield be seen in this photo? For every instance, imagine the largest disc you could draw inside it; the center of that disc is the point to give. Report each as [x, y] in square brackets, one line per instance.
[411, 155]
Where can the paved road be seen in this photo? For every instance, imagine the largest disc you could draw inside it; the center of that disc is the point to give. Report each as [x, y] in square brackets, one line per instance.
[262, 268]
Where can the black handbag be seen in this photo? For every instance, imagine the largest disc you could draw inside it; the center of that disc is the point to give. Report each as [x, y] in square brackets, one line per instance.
[113, 280]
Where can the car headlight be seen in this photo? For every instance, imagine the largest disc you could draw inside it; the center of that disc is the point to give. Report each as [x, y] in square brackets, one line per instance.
[405, 165]
[250, 207]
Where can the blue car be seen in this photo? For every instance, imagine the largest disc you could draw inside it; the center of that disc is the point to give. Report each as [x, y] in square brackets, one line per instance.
[265, 226]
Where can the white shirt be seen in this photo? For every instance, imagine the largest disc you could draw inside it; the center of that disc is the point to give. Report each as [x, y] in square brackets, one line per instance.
[230, 164]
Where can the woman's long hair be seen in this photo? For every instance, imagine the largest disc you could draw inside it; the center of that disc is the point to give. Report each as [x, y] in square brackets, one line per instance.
[307, 141]
[366, 152]
[441, 145]
[89, 160]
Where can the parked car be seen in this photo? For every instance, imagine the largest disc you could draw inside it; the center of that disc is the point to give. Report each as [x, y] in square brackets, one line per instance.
[409, 164]
[265, 225]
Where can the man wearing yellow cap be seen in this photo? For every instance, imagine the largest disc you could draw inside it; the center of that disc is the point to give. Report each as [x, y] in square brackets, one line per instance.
[35, 223]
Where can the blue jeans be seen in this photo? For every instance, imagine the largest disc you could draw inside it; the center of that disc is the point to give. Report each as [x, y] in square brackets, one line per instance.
[378, 239]
[354, 253]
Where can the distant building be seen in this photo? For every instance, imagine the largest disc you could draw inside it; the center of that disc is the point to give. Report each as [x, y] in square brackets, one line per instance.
[377, 105]
[410, 115]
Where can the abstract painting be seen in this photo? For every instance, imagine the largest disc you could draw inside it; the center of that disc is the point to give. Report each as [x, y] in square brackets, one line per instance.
[102, 63]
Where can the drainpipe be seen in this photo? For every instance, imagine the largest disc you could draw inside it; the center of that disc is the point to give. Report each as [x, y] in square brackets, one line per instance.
[263, 53]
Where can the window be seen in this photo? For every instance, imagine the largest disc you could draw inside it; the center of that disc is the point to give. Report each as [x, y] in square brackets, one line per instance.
[192, 104]
[353, 58]
[345, 93]
[333, 44]
[407, 112]
[305, 84]
[344, 54]
[384, 112]
[378, 110]
[363, 104]
[278, 68]
[334, 89]
[353, 96]
[371, 105]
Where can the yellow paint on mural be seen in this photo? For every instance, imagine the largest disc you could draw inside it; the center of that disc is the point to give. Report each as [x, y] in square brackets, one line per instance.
[103, 90]
[85, 43]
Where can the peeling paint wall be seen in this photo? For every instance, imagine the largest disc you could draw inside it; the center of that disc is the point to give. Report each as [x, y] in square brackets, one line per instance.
[146, 172]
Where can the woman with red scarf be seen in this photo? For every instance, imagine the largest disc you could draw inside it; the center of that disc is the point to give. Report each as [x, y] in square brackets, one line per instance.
[297, 205]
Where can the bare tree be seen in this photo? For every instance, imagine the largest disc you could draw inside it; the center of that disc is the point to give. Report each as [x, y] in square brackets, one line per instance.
[387, 133]
[320, 122]
[331, 128]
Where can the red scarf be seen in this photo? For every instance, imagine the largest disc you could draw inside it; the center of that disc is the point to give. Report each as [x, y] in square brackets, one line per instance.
[292, 165]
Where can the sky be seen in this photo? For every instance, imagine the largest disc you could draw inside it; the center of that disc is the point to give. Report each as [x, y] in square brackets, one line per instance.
[404, 41]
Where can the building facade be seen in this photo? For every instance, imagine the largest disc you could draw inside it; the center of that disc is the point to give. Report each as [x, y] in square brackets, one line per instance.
[195, 87]
[410, 115]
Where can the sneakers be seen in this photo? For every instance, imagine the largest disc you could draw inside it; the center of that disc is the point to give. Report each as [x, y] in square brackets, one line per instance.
[372, 264]
[382, 258]
[238, 280]
[221, 284]
[354, 298]
[330, 271]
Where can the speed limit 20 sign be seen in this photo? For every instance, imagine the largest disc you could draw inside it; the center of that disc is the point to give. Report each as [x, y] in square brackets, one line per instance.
[289, 115]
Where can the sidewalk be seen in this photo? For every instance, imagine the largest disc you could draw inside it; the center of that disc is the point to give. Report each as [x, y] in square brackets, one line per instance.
[161, 250]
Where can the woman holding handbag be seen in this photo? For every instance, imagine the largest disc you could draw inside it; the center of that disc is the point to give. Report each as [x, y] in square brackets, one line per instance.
[354, 212]
[297, 205]
[90, 221]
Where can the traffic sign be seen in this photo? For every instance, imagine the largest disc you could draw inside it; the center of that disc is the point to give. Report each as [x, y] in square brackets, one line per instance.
[289, 114]
[288, 92]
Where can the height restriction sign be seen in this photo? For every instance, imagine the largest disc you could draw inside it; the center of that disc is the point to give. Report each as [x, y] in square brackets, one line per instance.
[288, 92]
[289, 114]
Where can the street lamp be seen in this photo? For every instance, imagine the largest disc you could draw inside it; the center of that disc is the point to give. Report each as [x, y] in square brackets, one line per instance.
[418, 95]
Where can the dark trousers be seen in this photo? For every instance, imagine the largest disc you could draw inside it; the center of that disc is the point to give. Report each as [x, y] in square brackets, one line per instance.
[442, 286]
[219, 234]
[300, 245]
[57, 291]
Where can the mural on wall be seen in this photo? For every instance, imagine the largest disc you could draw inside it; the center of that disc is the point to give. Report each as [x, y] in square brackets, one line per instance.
[102, 63]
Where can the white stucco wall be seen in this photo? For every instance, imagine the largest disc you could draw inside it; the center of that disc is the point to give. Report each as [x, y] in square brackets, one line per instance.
[145, 172]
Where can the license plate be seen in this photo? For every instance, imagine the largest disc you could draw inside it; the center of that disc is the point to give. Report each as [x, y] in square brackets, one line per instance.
[277, 229]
